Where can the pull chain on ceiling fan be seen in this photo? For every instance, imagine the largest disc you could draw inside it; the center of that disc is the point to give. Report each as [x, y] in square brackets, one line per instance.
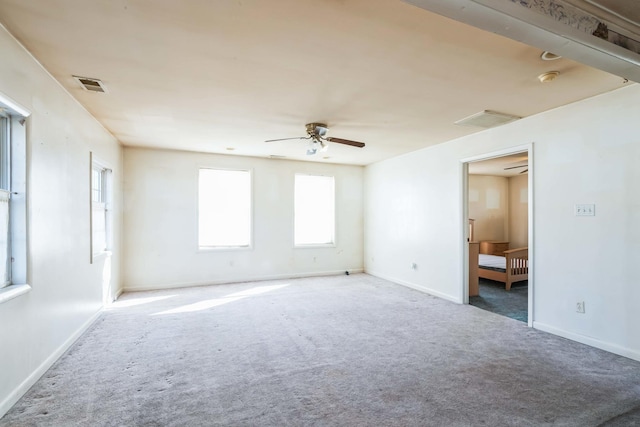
[318, 141]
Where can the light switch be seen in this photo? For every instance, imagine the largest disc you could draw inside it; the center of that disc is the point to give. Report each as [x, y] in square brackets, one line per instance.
[585, 210]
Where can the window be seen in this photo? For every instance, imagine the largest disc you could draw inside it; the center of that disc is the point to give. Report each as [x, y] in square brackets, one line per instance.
[224, 208]
[13, 208]
[100, 209]
[314, 210]
[5, 197]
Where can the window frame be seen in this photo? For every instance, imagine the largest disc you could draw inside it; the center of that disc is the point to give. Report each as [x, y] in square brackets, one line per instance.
[106, 199]
[15, 155]
[331, 244]
[5, 186]
[224, 248]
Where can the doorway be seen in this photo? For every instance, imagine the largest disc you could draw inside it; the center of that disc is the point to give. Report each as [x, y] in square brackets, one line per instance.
[498, 222]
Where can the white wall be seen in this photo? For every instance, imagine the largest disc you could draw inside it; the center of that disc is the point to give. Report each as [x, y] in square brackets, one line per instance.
[587, 152]
[67, 291]
[489, 207]
[160, 228]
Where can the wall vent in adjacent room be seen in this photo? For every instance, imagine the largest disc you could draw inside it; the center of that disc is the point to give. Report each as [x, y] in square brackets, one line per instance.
[91, 85]
[487, 119]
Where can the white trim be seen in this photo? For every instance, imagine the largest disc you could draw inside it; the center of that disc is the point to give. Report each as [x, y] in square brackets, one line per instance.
[91, 254]
[240, 280]
[13, 291]
[466, 238]
[417, 287]
[500, 153]
[464, 208]
[316, 246]
[19, 391]
[208, 249]
[531, 237]
[118, 294]
[13, 106]
[593, 342]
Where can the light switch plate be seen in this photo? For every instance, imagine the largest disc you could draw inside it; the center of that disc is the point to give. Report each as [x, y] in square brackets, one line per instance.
[585, 210]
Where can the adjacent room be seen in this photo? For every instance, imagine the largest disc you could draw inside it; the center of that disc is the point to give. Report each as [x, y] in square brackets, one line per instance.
[498, 210]
[265, 213]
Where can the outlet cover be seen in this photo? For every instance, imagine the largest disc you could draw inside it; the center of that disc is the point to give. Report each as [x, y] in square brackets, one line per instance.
[580, 307]
[585, 210]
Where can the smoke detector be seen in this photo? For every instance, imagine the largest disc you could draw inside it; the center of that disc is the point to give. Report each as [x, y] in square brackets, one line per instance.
[91, 85]
[548, 56]
[549, 76]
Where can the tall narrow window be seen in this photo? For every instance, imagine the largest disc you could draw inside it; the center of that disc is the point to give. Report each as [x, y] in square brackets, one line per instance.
[99, 208]
[13, 197]
[224, 208]
[5, 197]
[314, 210]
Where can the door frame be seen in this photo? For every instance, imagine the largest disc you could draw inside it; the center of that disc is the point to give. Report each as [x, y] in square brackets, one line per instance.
[464, 209]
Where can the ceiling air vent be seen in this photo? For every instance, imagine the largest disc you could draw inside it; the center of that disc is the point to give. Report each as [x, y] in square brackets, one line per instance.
[487, 119]
[91, 85]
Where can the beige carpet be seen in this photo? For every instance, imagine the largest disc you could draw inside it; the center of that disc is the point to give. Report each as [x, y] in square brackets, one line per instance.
[334, 351]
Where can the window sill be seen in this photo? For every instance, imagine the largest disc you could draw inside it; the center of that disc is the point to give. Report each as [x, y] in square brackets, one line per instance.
[206, 249]
[315, 246]
[13, 291]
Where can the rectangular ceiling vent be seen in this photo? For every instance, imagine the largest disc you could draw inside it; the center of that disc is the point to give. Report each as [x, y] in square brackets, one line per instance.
[487, 119]
[91, 85]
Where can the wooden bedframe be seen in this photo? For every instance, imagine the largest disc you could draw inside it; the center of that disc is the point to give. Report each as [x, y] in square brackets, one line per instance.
[517, 268]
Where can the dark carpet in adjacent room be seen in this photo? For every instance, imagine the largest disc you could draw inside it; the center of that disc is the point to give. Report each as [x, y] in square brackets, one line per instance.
[333, 351]
[494, 298]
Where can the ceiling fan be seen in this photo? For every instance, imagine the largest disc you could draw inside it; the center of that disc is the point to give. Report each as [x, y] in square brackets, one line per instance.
[521, 166]
[318, 141]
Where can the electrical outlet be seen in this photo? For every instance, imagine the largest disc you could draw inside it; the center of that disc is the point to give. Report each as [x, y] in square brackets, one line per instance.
[580, 307]
[414, 266]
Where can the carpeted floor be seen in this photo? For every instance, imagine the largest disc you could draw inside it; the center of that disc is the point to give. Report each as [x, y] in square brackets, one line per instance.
[333, 351]
[494, 298]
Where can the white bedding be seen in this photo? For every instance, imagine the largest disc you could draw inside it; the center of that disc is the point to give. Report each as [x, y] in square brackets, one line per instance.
[492, 261]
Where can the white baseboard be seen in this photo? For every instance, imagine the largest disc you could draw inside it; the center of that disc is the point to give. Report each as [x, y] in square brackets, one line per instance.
[117, 295]
[593, 342]
[417, 287]
[128, 288]
[19, 391]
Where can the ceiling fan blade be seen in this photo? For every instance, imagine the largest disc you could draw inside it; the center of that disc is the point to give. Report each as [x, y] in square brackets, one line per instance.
[516, 167]
[286, 139]
[346, 142]
[524, 171]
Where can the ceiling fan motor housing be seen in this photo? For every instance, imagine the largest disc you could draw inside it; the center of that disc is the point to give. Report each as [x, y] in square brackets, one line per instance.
[317, 129]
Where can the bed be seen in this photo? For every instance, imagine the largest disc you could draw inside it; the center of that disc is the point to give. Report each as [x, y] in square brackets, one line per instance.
[510, 268]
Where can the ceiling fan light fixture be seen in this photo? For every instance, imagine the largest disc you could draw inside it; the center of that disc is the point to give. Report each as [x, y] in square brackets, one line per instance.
[318, 141]
[312, 147]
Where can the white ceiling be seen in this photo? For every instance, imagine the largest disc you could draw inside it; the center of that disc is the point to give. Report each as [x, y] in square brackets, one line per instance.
[207, 75]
